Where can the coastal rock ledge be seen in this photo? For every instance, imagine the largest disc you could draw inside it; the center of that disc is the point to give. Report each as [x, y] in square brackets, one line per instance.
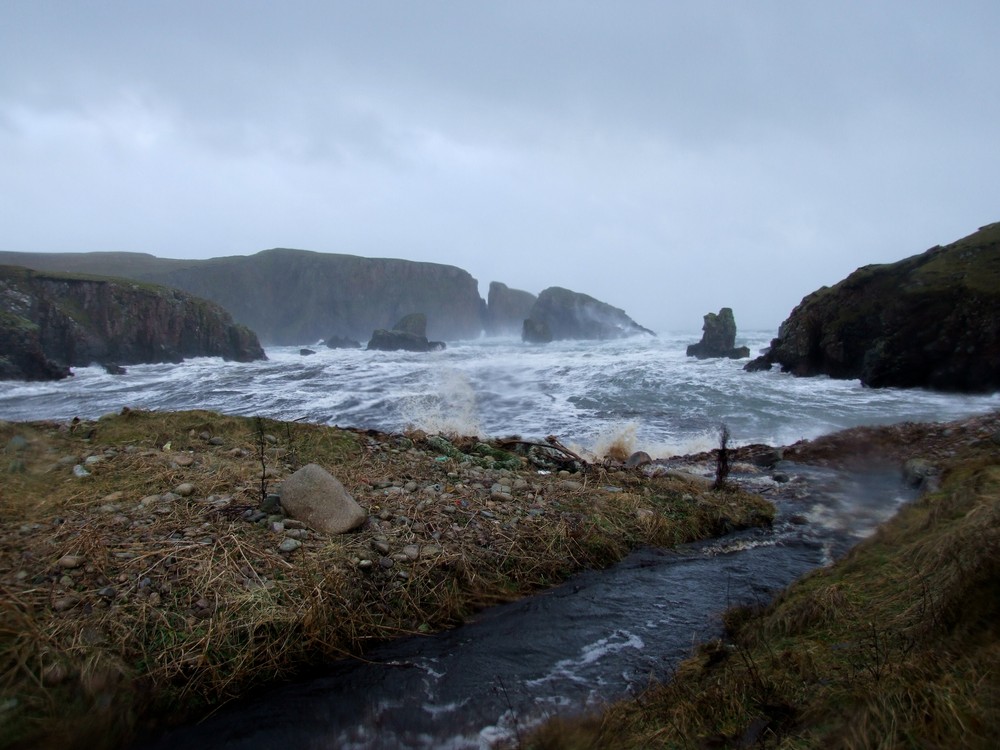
[51, 322]
[931, 320]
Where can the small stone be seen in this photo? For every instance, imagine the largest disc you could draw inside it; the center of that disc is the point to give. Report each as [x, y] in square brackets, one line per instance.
[183, 459]
[289, 545]
[430, 550]
[412, 551]
[67, 582]
[113, 497]
[780, 477]
[380, 545]
[278, 527]
[386, 562]
[65, 603]
[68, 562]
[297, 533]
[80, 472]
[91, 460]
[108, 592]
[184, 490]
[154, 599]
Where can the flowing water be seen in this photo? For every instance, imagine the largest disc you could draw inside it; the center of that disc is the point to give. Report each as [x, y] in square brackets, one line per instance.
[644, 392]
[601, 636]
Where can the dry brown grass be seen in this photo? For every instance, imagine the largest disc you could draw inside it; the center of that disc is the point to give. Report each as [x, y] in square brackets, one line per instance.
[179, 605]
[896, 646]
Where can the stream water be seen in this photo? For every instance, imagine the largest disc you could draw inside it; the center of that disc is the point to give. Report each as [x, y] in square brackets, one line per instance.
[601, 636]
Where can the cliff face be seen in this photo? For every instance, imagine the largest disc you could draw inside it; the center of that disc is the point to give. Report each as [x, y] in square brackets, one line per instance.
[295, 296]
[931, 320]
[572, 315]
[506, 309]
[49, 322]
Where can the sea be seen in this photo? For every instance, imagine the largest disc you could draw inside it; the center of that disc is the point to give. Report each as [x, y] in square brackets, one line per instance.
[641, 393]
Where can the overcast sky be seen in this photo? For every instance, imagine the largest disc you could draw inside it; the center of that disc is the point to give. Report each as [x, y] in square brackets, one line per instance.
[670, 158]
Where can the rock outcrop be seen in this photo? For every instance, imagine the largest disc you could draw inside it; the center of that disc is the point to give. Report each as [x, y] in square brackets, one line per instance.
[535, 332]
[718, 338]
[931, 320]
[572, 315]
[342, 342]
[506, 309]
[409, 335]
[51, 322]
[296, 297]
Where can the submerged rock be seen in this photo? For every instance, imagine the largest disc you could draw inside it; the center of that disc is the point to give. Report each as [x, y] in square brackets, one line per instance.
[407, 335]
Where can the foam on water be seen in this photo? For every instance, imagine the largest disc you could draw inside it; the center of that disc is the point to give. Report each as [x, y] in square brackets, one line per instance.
[638, 394]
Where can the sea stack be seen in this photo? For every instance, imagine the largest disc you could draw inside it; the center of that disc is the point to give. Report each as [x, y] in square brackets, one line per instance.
[718, 338]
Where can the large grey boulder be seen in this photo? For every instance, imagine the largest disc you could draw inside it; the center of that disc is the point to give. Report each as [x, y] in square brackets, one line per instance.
[316, 498]
[718, 338]
[408, 335]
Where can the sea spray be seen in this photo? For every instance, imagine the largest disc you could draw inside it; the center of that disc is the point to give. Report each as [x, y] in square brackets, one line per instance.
[449, 409]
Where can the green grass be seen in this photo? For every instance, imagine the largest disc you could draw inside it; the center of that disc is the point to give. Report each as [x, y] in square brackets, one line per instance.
[896, 646]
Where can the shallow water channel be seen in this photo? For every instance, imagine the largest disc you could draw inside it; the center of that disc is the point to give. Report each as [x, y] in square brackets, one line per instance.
[601, 636]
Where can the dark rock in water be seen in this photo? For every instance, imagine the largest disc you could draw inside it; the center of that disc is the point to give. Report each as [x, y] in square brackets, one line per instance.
[506, 309]
[306, 352]
[394, 341]
[931, 320]
[414, 323]
[407, 335]
[572, 315]
[535, 332]
[50, 322]
[342, 342]
[718, 338]
[112, 369]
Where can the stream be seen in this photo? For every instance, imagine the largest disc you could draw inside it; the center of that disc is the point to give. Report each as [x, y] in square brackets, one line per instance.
[601, 636]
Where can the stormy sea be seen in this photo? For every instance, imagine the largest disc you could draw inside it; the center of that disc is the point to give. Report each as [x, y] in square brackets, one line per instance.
[639, 393]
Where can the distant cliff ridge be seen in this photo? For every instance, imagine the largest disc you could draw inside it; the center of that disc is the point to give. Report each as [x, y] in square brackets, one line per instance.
[49, 322]
[297, 297]
[931, 320]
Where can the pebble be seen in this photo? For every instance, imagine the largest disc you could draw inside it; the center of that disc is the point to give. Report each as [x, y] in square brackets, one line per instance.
[79, 471]
[381, 546]
[412, 551]
[91, 460]
[184, 490]
[386, 562]
[68, 562]
[65, 603]
[278, 527]
[289, 545]
[183, 459]
[296, 533]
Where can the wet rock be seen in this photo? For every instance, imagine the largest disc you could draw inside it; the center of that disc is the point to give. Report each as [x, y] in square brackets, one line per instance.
[919, 473]
[316, 498]
[306, 352]
[718, 337]
[637, 459]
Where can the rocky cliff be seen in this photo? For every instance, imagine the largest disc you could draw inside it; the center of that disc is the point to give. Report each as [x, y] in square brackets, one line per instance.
[297, 296]
[931, 320]
[506, 309]
[571, 315]
[718, 338]
[49, 322]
